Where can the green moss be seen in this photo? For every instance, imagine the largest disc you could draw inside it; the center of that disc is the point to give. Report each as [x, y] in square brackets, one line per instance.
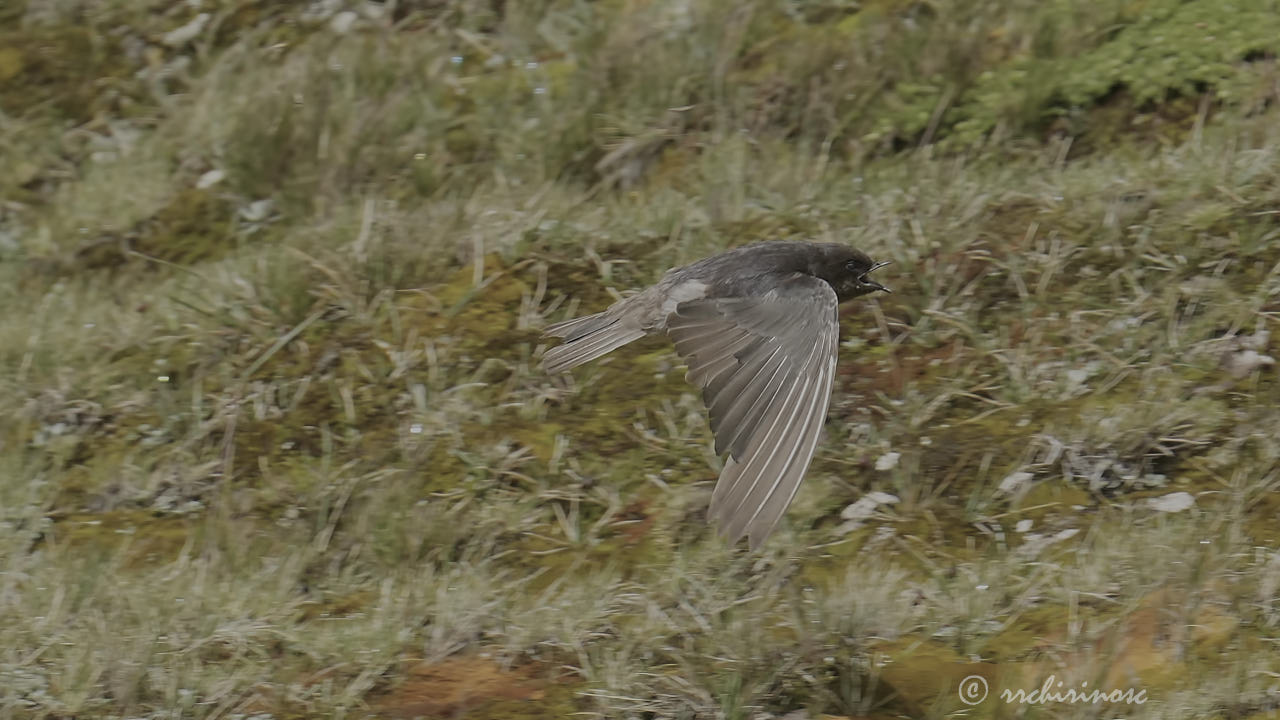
[1143, 76]
[558, 700]
[145, 538]
[195, 225]
[914, 672]
[1167, 49]
[1025, 636]
[267, 22]
[66, 70]
[12, 12]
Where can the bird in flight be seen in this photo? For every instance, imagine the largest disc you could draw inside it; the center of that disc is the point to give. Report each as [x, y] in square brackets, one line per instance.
[759, 329]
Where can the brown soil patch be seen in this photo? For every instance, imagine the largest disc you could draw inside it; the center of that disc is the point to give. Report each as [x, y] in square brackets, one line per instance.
[456, 687]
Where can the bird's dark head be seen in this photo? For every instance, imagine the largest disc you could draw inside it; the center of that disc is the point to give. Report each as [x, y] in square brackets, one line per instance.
[847, 270]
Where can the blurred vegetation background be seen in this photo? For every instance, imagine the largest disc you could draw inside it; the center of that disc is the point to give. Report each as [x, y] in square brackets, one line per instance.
[275, 444]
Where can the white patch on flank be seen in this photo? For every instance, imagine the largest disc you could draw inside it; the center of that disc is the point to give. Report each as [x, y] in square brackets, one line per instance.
[685, 291]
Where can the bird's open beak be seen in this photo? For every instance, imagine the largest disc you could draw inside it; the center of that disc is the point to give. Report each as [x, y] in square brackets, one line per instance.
[872, 283]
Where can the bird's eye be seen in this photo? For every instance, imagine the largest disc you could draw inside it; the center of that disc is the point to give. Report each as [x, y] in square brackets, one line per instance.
[852, 266]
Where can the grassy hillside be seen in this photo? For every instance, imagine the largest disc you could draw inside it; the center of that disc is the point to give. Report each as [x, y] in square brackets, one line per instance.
[274, 442]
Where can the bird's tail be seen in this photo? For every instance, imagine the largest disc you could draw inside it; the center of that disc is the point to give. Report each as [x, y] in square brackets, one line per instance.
[587, 338]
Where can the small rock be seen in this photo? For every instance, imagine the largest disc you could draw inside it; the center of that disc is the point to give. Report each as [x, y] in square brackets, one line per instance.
[1023, 526]
[1035, 544]
[1243, 363]
[1154, 479]
[1244, 354]
[343, 22]
[864, 508]
[9, 241]
[182, 35]
[320, 10]
[1173, 502]
[867, 504]
[1257, 341]
[888, 461]
[1014, 481]
[209, 179]
[256, 211]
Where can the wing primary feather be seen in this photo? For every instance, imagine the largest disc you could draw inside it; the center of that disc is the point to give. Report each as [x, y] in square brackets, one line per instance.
[765, 447]
[725, 413]
[779, 440]
[732, 486]
[740, 384]
[753, 315]
[705, 376]
[720, 356]
[800, 447]
[740, 418]
[685, 333]
[706, 341]
[765, 364]
[776, 504]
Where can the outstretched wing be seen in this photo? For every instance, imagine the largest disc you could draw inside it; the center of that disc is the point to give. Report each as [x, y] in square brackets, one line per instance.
[765, 364]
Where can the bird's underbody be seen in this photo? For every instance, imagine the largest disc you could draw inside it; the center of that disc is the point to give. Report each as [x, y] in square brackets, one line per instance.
[759, 329]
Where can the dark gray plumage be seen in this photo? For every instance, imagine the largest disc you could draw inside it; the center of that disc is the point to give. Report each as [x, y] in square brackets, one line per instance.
[758, 326]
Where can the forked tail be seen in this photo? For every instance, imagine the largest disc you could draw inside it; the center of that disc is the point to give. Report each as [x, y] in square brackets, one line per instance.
[587, 338]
